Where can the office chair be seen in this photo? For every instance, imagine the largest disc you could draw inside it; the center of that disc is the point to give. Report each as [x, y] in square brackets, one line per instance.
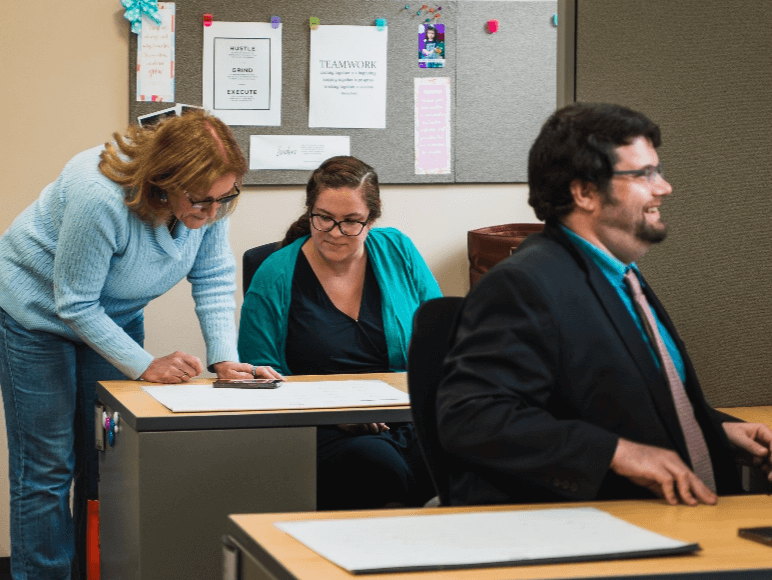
[251, 261]
[432, 325]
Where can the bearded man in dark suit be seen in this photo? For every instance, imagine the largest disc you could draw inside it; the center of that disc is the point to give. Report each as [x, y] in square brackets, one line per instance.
[559, 386]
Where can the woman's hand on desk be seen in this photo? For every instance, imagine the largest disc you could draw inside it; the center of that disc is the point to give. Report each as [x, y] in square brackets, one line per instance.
[236, 370]
[177, 367]
[364, 428]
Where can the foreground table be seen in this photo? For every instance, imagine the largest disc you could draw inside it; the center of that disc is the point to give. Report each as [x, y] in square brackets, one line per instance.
[171, 479]
[269, 554]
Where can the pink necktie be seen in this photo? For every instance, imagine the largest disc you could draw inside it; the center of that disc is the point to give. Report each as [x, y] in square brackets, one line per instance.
[695, 441]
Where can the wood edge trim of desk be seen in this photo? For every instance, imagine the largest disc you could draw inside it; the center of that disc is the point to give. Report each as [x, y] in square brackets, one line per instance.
[257, 552]
[281, 418]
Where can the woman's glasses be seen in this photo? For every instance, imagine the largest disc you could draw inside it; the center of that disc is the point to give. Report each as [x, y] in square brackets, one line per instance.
[205, 204]
[325, 223]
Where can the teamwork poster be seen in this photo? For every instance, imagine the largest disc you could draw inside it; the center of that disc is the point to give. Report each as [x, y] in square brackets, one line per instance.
[348, 77]
[431, 45]
[242, 72]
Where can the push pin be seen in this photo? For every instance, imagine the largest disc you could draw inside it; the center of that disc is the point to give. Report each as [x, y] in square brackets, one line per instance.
[275, 21]
[313, 22]
[436, 14]
[493, 26]
[428, 20]
[431, 9]
[380, 23]
[554, 20]
[407, 6]
[424, 6]
[208, 18]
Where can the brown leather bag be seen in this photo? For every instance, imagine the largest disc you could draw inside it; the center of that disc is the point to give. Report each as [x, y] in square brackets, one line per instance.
[488, 246]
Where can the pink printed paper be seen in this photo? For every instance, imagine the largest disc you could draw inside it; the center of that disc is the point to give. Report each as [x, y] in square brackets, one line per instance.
[432, 126]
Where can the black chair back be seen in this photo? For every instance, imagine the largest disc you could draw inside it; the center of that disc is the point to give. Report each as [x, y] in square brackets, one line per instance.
[251, 261]
[432, 325]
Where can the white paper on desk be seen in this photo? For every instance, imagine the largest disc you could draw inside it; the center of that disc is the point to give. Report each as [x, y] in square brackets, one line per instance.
[295, 151]
[290, 395]
[155, 57]
[347, 85]
[478, 539]
[242, 72]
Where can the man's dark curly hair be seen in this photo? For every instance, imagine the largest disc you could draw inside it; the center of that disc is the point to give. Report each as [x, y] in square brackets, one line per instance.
[578, 142]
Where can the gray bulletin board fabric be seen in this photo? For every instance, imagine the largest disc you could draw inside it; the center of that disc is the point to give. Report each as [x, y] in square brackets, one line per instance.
[701, 70]
[503, 85]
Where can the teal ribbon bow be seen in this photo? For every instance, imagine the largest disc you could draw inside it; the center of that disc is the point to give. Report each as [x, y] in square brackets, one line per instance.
[136, 8]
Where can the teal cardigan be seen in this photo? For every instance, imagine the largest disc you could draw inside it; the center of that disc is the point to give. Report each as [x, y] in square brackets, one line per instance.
[403, 277]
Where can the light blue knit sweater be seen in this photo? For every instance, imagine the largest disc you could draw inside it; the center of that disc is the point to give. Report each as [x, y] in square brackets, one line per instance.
[79, 264]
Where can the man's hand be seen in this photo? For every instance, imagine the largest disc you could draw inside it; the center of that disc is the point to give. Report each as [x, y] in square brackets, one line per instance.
[755, 438]
[364, 428]
[661, 471]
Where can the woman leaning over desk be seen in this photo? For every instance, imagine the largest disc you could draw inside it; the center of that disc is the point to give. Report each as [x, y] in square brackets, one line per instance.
[121, 225]
[339, 297]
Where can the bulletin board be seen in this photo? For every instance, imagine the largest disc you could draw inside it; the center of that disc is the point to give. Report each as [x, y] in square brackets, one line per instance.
[502, 85]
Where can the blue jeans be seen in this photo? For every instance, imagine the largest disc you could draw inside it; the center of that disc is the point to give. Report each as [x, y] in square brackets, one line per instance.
[48, 385]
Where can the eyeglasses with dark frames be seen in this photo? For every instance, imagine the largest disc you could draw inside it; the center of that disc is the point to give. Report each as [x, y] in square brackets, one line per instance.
[205, 204]
[324, 223]
[650, 172]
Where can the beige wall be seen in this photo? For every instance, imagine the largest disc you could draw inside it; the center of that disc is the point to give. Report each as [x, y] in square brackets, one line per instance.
[65, 85]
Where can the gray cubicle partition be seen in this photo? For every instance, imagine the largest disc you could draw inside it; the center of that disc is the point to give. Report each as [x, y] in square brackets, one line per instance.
[702, 71]
[503, 85]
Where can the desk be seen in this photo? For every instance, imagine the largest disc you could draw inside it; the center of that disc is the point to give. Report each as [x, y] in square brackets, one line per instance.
[171, 479]
[268, 553]
[750, 414]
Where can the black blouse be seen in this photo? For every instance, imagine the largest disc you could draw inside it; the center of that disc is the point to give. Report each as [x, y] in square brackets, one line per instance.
[322, 340]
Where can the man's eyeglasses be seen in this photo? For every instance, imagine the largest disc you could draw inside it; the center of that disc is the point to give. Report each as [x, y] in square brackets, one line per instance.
[650, 172]
[325, 223]
[205, 204]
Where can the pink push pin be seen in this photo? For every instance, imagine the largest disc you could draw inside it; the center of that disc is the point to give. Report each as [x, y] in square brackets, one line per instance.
[493, 26]
[208, 19]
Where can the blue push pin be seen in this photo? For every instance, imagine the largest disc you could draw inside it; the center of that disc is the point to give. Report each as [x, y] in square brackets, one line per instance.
[380, 23]
[554, 19]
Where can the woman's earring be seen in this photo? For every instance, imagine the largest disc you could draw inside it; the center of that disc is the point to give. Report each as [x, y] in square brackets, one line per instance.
[163, 198]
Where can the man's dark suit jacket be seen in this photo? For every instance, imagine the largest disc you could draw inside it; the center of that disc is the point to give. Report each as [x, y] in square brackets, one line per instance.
[547, 371]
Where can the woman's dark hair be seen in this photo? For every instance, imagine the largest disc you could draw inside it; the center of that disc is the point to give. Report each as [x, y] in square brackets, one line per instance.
[335, 173]
[431, 27]
[578, 142]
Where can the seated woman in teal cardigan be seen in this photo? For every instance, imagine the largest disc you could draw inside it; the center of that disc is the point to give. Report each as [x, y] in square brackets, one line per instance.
[339, 297]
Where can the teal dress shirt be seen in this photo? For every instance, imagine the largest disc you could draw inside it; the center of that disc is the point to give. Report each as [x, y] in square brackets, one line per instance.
[614, 270]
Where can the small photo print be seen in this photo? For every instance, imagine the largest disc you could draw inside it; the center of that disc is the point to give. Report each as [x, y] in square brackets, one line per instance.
[431, 45]
[157, 117]
[176, 111]
[182, 109]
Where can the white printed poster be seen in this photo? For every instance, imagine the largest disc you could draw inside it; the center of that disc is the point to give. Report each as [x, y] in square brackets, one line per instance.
[303, 152]
[348, 77]
[155, 57]
[242, 72]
